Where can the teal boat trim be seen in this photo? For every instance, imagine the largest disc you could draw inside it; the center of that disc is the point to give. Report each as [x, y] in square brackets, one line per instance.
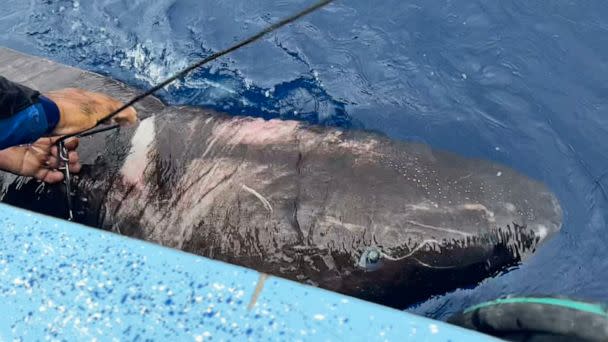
[566, 303]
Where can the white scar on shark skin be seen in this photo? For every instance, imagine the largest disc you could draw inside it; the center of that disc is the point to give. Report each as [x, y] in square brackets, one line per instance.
[441, 229]
[541, 231]
[419, 247]
[262, 199]
[257, 132]
[135, 164]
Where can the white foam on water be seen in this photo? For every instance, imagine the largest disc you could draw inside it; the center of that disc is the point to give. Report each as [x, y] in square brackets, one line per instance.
[142, 59]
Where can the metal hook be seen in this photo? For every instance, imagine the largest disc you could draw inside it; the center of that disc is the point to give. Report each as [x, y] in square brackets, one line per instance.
[64, 166]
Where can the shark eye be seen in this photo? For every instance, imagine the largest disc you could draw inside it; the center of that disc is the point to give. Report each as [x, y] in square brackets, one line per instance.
[371, 259]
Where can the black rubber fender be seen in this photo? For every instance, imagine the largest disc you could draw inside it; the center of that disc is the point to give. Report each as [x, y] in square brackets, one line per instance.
[537, 318]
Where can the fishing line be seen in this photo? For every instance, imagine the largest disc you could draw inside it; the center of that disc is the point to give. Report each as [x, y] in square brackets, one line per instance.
[61, 141]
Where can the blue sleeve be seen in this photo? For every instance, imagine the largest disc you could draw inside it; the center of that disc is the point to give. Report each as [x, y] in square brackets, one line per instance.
[29, 124]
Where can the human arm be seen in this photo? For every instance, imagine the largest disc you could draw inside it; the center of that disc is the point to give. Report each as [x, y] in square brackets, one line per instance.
[26, 115]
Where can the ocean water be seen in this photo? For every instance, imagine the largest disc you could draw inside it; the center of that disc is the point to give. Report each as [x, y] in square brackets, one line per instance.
[524, 83]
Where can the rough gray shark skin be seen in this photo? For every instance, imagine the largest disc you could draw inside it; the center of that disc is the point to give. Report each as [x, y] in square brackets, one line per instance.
[349, 211]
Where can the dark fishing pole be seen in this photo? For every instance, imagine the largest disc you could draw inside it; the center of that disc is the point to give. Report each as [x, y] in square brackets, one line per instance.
[184, 72]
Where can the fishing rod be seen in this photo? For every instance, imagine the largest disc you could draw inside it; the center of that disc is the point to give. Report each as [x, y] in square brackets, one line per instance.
[63, 152]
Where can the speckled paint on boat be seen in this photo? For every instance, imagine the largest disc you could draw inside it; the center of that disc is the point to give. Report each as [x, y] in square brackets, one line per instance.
[63, 281]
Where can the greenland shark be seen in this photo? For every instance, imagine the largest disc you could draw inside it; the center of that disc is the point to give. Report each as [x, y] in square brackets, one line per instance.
[351, 211]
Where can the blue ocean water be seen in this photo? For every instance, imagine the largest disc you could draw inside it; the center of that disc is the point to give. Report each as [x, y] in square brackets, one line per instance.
[524, 83]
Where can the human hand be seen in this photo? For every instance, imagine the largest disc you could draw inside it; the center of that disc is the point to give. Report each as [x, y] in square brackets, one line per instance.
[81, 110]
[39, 159]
